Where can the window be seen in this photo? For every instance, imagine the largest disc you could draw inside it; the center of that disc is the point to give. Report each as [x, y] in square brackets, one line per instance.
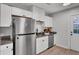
[76, 25]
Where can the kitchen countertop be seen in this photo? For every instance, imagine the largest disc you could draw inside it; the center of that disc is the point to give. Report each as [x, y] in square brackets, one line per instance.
[41, 34]
[5, 40]
[50, 32]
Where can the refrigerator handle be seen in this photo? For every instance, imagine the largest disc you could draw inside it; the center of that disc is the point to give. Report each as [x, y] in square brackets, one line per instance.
[17, 37]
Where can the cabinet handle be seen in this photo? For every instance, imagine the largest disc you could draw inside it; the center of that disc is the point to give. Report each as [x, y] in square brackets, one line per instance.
[71, 34]
[43, 40]
[6, 46]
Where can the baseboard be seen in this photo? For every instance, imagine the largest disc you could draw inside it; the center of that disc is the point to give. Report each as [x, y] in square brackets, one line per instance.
[62, 47]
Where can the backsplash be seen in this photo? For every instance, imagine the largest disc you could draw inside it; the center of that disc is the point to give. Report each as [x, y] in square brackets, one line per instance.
[39, 26]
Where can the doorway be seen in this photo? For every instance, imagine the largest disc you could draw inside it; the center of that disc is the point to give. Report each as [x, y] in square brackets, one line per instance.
[74, 25]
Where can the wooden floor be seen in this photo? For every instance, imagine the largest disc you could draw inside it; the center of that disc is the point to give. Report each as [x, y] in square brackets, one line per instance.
[59, 51]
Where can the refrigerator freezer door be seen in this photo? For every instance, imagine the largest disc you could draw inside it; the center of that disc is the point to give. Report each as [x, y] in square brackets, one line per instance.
[25, 45]
[23, 25]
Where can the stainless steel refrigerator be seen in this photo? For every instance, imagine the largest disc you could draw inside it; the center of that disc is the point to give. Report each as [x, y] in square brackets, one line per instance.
[23, 36]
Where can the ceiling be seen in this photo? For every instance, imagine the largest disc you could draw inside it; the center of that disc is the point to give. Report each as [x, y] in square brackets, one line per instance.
[50, 8]
[55, 7]
[26, 6]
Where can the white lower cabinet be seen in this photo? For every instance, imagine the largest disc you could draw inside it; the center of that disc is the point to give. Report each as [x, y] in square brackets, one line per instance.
[41, 44]
[38, 45]
[45, 42]
[7, 49]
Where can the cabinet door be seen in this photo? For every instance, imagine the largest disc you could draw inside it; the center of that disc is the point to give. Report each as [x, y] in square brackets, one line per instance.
[48, 21]
[38, 45]
[17, 11]
[38, 14]
[7, 49]
[44, 43]
[21, 12]
[41, 44]
[5, 15]
[27, 13]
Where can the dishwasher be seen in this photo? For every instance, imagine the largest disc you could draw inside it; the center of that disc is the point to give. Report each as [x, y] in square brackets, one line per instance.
[51, 41]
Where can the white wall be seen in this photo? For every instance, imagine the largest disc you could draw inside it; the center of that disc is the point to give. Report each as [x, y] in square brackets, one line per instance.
[62, 27]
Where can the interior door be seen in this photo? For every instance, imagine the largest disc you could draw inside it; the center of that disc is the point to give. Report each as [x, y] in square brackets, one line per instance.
[75, 32]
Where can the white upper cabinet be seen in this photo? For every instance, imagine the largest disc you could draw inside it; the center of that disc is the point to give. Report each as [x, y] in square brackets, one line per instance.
[27, 13]
[5, 15]
[21, 12]
[17, 11]
[48, 21]
[6, 49]
[38, 14]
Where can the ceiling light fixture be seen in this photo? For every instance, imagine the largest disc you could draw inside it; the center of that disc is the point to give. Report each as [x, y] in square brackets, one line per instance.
[66, 4]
